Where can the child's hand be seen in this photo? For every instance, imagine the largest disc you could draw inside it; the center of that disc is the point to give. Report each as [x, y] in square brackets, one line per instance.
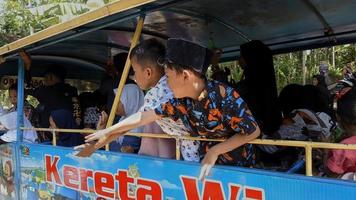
[85, 149]
[88, 149]
[99, 135]
[207, 163]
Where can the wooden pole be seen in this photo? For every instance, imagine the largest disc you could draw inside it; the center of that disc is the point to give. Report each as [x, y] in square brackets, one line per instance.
[125, 73]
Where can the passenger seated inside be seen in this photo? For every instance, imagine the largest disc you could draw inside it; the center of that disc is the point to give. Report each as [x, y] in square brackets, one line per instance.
[13, 97]
[258, 86]
[91, 104]
[8, 122]
[130, 102]
[111, 79]
[208, 108]
[317, 101]
[55, 94]
[319, 82]
[302, 121]
[343, 162]
[30, 112]
[259, 90]
[63, 119]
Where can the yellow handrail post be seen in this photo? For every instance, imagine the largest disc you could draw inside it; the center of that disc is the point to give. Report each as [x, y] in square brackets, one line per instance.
[125, 73]
[177, 148]
[54, 138]
[308, 160]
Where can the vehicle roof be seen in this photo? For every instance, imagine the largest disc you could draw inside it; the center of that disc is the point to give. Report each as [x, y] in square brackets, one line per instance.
[285, 25]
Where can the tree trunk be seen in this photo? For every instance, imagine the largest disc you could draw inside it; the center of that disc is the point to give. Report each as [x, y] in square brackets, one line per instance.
[304, 69]
[333, 57]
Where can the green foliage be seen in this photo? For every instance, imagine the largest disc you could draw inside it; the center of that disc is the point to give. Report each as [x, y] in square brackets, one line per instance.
[288, 70]
[288, 67]
[16, 22]
[20, 18]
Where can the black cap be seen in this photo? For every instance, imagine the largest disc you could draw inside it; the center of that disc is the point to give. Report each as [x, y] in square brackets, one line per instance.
[188, 54]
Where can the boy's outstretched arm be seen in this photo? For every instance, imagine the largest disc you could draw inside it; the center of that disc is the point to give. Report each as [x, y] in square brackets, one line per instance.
[105, 136]
[230, 144]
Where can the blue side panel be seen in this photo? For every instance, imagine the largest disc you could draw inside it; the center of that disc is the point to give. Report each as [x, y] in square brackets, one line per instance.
[57, 172]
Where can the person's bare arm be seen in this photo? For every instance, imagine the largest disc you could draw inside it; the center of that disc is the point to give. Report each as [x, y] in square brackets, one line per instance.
[106, 136]
[136, 120]
[230, 144]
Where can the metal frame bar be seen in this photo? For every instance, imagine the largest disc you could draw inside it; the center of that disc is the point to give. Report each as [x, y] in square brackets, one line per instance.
[132, 30]
[327, 28]
[95, 43]
[20, 98]
[308, 146]
[19, 123]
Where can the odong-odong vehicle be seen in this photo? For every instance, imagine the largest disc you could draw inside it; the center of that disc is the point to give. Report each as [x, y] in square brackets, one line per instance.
[83, 45]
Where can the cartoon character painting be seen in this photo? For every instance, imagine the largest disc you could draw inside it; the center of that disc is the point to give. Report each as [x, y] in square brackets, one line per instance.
[44, 191]
[7, 179]
[133, 172]
[31, 188]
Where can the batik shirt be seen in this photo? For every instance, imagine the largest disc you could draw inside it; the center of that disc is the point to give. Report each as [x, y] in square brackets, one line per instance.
[219, 113]
[158, 95]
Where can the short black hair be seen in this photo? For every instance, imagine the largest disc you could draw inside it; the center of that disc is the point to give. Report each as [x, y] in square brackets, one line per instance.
[151, 50]
[58, 71]
[316, 101]
[290, 98]
[179, 69]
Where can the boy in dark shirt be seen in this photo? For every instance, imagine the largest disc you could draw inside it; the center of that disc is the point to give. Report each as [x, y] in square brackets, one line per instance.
[208, 109]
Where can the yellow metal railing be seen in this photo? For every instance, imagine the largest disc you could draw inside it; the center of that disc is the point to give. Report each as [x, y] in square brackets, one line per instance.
[308, 146]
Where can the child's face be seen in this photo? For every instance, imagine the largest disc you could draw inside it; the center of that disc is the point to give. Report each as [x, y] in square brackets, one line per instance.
[315, 81]
[176, 81]
[13, 97]
[142, 74]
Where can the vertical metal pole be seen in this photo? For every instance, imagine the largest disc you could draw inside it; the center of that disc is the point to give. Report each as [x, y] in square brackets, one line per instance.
[20, 98]
[308, 160]
[19, 124]
[54, 138]
[125, 73]
[177, 148]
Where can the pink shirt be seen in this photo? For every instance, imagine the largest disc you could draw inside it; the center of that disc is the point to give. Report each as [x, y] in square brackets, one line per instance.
[343, 161]
[164, 148]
